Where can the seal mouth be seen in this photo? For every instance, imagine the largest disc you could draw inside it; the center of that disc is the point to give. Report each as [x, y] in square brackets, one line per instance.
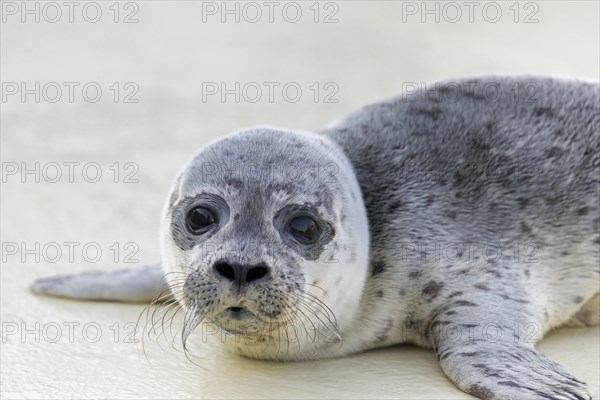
[241, 321]
[239, 314]
[250, 329]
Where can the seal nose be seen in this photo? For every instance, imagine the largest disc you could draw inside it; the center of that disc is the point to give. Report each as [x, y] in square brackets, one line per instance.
[241, 274]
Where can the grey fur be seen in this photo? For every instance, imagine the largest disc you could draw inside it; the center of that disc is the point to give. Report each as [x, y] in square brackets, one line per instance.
[442, 176]
[547, 155]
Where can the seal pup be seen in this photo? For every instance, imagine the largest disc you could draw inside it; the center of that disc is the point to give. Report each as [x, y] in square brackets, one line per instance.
[463, 217]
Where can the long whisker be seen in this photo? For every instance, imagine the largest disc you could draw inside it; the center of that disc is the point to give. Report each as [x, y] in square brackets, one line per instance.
[317, 309]
[306, 316]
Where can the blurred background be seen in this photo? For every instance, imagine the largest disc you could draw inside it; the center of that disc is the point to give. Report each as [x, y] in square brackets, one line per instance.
[103, 102]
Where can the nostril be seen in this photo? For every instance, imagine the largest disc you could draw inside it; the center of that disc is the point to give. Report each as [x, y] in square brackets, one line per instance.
[256, 273]
[240, 274]
[225, 270]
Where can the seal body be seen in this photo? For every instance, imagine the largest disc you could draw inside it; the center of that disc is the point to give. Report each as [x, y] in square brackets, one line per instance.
[494, 197]
[484, 221]
[462, 217]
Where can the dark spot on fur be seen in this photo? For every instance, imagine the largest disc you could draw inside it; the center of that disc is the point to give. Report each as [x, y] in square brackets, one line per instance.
[487, 371]
[565, 253]
[455, 294]
[432, 113]
[379, 293]
[432, 289]
[378, 267]
[525, 228]
[452, 214]
[430, 199]
[578, 299]
[464, 303]
[415, 274]
[478, 145]
[583, 211]
[543, 111]
[393, 206]
[523, 201]
[482, 286]
[508, 383]
[233, 182]
[469, 354]
[459, 178]
[554, 150]
[480, 391]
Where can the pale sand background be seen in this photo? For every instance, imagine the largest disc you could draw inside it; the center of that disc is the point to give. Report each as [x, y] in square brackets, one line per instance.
[369, 54]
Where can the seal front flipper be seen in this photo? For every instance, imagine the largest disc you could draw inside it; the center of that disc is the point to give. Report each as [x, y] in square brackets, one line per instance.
[481, 353]
[128, 285]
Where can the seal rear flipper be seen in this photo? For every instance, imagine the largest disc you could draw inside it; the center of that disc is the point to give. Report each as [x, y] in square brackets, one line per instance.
[128, 285]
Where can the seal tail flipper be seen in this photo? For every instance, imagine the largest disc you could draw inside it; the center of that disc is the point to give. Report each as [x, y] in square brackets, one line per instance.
[128, 285]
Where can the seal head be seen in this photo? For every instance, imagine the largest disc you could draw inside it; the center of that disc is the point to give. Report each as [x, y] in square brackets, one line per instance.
[265, 235]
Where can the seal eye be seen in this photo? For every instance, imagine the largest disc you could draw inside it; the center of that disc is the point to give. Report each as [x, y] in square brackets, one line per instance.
[199, 220]
[304, 229]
